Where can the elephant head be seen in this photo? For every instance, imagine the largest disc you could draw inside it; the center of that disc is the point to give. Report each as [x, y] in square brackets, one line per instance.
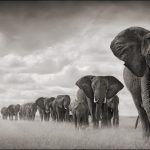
[133, 47]
[48, 103]
[40, 102]
[99, 88]
[63, 101]
[17, 108]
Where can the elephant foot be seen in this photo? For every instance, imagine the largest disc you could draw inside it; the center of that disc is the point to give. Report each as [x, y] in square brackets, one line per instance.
[95, 126]
[146, 133]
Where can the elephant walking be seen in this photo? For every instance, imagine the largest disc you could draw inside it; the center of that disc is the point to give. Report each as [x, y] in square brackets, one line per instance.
[61, 106]
[4, 112]
[80, 113]
[132, 46]
[44, 105]
[13, 110]
[97, 89]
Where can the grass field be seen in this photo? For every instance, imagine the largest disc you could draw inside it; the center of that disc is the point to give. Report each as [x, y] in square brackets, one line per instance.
[51, 135]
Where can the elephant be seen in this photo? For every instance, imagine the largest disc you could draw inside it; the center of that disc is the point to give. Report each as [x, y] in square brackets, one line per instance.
[13, 110]
[43, 105]
[4, 112]
[61, 106]
[80, 112]
[98, 89]
[132, 46]
[111, 113]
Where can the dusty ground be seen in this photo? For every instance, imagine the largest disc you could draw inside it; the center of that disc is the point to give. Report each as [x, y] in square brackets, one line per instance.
[51, 135]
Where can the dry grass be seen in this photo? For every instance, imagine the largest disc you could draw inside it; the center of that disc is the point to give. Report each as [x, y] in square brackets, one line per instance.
[51, 135]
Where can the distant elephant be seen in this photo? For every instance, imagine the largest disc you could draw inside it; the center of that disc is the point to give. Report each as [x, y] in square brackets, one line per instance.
[4, 112]
[62, 103]
[43, 105]
[97, 89]
[13, 110]
[80, 112]
[132, 46]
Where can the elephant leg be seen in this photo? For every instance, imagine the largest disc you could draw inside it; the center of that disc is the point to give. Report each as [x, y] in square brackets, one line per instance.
[109, 123]
[145, 90]
[41, 115]
[66, 115]
[16, 117]
[58, 114]
[48, 116]
[78, 121]
[92, 109]
[116, 117]
[142, 114]
[75, 120]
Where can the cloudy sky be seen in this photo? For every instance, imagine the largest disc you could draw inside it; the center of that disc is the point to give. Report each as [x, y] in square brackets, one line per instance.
[45, 47]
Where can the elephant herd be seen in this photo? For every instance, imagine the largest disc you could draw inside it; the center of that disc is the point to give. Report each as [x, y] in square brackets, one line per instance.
[61, 109]
[97, 95]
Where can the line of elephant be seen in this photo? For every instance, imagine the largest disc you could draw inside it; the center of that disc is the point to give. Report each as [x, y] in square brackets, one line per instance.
[96, 97]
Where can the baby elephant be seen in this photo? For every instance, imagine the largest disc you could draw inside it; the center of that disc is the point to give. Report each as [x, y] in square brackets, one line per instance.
[80, 114]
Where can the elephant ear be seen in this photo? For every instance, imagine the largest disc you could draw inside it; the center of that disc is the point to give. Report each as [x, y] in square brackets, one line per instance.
[127, 47]
[113, 86]
[84, 83]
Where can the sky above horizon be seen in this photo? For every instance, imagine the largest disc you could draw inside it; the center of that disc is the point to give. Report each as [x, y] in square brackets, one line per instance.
[45, 47]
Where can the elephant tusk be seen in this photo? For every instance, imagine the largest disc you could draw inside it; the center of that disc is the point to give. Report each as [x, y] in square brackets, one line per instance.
[105, 100]
[95, 100]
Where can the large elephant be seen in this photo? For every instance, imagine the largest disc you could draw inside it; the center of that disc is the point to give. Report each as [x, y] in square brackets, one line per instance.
[4, 113]
[43, 105]
[132, 46]
[97, 89]
[80, 112]
[13, 110]
[61, 104]
[111, 113]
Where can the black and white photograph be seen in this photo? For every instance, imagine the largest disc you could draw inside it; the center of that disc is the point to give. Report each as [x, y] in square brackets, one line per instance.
[74, 74]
